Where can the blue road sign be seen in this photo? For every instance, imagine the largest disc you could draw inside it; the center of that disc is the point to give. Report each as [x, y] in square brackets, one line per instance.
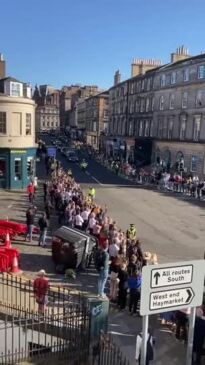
[51, 151]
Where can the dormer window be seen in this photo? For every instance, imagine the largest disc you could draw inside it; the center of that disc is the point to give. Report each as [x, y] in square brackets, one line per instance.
[15, 89]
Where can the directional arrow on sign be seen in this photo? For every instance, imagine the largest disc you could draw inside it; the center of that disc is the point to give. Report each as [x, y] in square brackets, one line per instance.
[190, 295]
[171, 298]
[157, 276]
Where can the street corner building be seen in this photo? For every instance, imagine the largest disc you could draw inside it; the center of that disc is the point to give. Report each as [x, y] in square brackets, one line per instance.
[17, 133]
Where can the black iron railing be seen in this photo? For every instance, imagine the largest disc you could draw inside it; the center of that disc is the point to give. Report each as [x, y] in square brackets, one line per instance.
[62, 329]
[107, 352]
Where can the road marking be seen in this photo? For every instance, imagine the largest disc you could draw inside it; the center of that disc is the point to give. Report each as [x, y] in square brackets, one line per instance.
[97, 181]
[87, 173]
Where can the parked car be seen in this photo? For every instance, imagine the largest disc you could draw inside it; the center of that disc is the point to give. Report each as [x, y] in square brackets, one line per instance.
[72, 248]
[72, 157]
[68, 151]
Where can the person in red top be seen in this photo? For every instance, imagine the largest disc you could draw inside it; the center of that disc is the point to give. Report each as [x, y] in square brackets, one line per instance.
[41, 287]
[31, 192]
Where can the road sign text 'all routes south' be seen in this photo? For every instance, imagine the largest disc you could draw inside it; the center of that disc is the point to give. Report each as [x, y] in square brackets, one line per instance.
[176, 275]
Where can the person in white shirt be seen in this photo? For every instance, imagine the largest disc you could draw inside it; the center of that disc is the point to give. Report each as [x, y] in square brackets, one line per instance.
[85, 215]
[78, 220]
[150, 345]
[114, 249]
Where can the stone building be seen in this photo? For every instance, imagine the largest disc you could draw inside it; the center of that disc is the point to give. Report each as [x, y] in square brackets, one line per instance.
[179, 113]
[130, 107]
[158, 115]
[69, 97]
[47, 118]
[17, 134]
[96, 118]
[47, 112]
[81, 118]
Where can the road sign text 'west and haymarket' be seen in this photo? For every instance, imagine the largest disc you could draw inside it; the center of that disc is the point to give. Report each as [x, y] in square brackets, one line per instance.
[170, 298]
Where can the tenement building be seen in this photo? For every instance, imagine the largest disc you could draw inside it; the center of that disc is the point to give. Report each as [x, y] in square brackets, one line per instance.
[17, 134]
[47, 111]
[179, 113]
[130, 112]
[158, 115]
[96, 118]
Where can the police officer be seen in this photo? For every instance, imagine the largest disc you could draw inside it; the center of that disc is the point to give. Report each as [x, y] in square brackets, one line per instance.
[92, 193]
[132, 232]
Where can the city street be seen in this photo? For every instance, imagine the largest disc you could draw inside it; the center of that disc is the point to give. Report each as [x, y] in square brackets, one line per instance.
[169, 224]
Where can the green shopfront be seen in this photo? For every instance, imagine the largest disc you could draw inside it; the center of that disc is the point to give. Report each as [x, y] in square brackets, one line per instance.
[16, 167]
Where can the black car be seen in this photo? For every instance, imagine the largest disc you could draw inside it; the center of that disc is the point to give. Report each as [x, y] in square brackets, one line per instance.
[72, 157]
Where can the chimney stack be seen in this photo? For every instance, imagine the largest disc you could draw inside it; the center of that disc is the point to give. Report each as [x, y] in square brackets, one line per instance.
[181, 53]
[140, 66]
[2, 66]
[117, 77]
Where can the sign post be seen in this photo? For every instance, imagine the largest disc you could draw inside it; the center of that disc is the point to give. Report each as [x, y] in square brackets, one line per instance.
[171, 287]
[145, 322]
[192, 318]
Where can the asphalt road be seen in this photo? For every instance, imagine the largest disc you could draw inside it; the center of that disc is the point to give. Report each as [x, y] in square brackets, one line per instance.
[168, 224]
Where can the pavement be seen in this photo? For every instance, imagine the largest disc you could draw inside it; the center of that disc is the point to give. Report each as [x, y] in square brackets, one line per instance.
[170, 225]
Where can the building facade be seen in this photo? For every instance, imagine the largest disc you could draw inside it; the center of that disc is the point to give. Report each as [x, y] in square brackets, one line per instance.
[179, 114]
[81, 118]
[158, 115]
[47, 118]
[96, 118]
[17, 134]
[48, 110]
[70, 97]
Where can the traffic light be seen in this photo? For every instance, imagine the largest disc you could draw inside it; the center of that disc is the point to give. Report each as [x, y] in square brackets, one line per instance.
[29, 166]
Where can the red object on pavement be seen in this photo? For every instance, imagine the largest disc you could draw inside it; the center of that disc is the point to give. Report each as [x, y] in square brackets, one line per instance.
[15, 265]
[17, 228]
[7, 242]
[7, 257]
[4, 262]
[4, 231]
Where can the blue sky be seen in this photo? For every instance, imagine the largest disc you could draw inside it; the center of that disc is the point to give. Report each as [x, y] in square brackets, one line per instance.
[65, 41]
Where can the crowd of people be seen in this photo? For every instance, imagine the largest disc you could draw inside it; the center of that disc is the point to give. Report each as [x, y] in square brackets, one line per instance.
[119, 255]
[188, 184]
